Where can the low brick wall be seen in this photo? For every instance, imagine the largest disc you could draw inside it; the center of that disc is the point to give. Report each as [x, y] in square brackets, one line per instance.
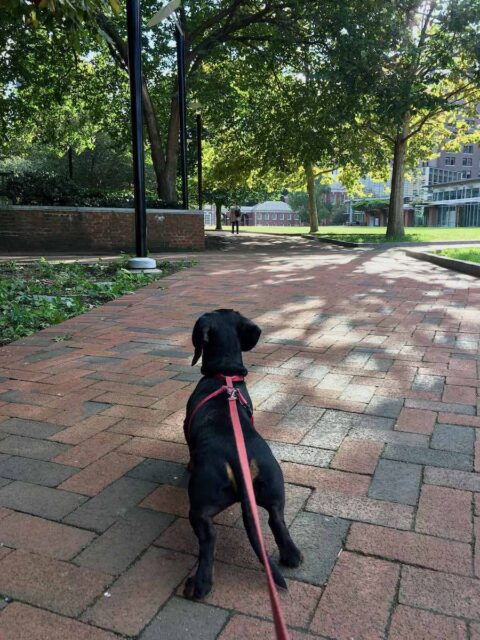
[92, 229]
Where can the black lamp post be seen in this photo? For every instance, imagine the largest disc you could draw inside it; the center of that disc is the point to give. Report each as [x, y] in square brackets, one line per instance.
[135, 76]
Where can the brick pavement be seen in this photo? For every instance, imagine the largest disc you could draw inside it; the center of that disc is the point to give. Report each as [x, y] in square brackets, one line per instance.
[366, 384]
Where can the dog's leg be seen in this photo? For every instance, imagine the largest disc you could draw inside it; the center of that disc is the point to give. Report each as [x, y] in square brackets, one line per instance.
[201, 584]
[252, 536]
[290, 556]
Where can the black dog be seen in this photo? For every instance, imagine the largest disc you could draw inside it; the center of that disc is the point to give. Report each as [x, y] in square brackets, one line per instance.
[216, 481]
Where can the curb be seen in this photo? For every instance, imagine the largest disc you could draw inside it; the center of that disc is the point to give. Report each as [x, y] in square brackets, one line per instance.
[463, 266]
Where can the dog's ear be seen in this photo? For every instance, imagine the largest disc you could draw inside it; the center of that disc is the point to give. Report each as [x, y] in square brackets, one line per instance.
[249, 334]
[199, 338]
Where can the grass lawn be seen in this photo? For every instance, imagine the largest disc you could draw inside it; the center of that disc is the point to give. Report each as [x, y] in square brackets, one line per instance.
[377, 234]
[37, 295]
[472, 255]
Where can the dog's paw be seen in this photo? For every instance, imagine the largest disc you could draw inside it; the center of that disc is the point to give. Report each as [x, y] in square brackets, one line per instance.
[292, 559]
[195, 591]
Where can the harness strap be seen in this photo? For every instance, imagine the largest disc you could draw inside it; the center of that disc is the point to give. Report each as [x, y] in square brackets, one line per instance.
[222, 389]
[280, 626]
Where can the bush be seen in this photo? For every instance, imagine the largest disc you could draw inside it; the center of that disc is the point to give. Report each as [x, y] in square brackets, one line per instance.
[41, 188]
[50, 189]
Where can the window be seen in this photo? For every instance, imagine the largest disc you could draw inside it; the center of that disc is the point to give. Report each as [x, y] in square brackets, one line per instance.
[466, 175]
[468, 148]
[450, 161]
[281, 216]
[467, 162]
[274, 216]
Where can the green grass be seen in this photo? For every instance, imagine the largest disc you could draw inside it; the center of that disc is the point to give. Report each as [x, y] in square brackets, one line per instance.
[40, 294]
[377, 234]
[472, 255]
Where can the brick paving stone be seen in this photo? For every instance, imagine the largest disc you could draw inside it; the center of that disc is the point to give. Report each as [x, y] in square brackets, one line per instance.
[84, 429]
[162, 450]
[445, 512]
[440, 592]
[326, 479]
[360, 508]
[31, 447]
[22, 622]
[358, 393]
[415, 624]
[48, 474]
[38, 500]
[118, 547]
[444, 407]
[357, 600]
[49, 583]
[316, 371]
[474, 631]
[301, 454]
[452, 478]
[244, 590]
[91, 450]
[31, 428]
[452, 438]
[180, 619]
[98, 475]
[161, 472]
[335, 381]
[168, 499]
[452, 418]
[30, 533]
[384, 406]
[300, 415]
[326, 436]
[396, 482]
[428, 383]
[137, 595]
[459, 395]
[410, 548]
[392, 437]
[416, 421]
[101, 511]
[279, 402]
[26, 411]
[240, 626]
[313, 532]
[431, 457]
[357, 456]
[477, 452]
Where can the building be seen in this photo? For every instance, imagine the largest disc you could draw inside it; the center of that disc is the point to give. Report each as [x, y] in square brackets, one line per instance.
[271, 214]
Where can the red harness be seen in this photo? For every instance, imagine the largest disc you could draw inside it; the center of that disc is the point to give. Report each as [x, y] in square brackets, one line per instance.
[234, 395]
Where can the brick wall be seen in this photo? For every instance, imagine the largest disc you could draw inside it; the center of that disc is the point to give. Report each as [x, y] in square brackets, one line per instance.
[96, 229]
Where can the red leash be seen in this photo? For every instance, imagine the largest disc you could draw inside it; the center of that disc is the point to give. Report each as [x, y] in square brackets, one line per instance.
[233, 395]
[280, 626]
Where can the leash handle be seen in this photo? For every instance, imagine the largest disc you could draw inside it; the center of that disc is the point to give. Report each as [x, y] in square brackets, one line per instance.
[278, 618]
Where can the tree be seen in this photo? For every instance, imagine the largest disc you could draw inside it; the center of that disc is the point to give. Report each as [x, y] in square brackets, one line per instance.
[299, 201]
[426, 88]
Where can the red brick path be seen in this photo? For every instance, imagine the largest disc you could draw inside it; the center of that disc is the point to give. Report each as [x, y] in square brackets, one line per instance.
[366, 385]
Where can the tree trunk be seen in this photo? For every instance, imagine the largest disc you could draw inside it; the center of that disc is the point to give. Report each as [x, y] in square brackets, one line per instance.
[218, 215]
[165, 168]
[312, 203]
[395, 226]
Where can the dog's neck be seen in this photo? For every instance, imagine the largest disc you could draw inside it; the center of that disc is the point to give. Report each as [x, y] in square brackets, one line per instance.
[212, 367]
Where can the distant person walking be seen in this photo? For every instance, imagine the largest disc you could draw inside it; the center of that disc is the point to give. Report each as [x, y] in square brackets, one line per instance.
[235, 215]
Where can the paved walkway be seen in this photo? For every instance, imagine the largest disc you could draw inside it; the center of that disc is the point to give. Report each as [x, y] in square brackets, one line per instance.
[366, 385]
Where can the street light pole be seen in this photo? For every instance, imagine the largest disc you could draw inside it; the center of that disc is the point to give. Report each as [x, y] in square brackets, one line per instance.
[199, 160]
[135, 76]
[182, 104]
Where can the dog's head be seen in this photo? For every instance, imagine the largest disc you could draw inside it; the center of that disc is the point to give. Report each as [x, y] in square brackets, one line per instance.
[220, 337]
